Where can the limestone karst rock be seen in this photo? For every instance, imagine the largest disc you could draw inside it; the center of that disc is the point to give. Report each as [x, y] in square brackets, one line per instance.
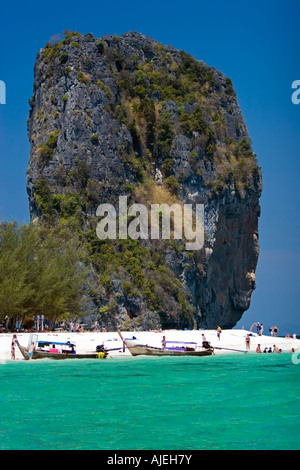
[110, 115]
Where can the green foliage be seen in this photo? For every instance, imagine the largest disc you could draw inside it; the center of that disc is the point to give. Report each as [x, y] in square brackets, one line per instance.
[95, 139]
[229, 87]
[46, 153]
[100, 46]
[193, 121]
[68, 36]
[172, 184]
[140, 91]
[105, 88]
[210, 146]
[52, 139]
[129, 187]
[165, 135]
[196, 70]
[167, 167]
[136, 164]
[140, 270]
[129, 289]
[47, 150]
[52, 52]
[243, 148]
[83, 78]
[145, 89]
[63, 58]
[67, 204]
[40, 273]
[75, 44]
[43, 197]
[82, 173]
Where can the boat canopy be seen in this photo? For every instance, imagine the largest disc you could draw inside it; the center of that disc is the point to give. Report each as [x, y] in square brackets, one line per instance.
[180, 342]
[47, 343]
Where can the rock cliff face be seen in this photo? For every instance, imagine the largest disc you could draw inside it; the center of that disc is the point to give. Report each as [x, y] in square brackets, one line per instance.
[128, 116]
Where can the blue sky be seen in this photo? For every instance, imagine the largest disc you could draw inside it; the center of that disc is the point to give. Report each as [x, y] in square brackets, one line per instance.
[254, 43]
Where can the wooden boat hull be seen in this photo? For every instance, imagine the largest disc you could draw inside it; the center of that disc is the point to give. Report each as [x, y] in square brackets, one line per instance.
[44, 354]
[145, 350]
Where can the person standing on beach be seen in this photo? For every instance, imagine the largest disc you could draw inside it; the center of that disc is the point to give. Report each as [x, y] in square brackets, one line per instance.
[30, 351]
[248, 343]
[164, 343]
[219, 331]
[271, 330]
[13, 348]
[275, 331]
[261, 329]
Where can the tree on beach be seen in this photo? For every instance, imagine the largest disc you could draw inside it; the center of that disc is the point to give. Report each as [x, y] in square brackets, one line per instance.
[42, 272]
[15, 290]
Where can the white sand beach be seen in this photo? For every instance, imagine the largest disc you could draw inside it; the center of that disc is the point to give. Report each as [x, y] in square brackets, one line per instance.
[87, 341]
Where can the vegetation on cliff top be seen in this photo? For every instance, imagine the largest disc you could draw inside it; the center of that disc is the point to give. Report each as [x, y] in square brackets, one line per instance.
[146, 90]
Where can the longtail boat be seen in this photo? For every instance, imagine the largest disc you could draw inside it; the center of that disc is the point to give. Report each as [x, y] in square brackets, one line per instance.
[170, 348]
[58, 350]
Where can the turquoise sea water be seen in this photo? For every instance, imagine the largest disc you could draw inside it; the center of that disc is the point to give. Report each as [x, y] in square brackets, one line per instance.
[245, 401]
